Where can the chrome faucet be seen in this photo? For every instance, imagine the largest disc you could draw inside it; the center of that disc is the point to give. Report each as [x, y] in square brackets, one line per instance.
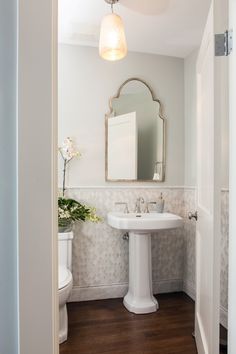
[138, 205]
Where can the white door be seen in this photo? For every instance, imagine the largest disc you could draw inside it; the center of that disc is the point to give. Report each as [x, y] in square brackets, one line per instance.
[209, 74]
[122, 147]
[232, 187]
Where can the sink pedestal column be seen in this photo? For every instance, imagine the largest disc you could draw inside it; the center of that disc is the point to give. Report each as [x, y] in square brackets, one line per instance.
[139, 298]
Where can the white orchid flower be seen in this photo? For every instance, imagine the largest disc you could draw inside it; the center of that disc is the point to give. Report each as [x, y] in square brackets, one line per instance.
[68, 150]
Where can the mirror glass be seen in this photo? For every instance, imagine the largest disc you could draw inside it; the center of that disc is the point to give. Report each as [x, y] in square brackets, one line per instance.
[135, 135]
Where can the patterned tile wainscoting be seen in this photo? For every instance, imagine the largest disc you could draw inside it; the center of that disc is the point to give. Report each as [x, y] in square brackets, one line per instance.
[100, 255]
[224, 257]
[189, 243]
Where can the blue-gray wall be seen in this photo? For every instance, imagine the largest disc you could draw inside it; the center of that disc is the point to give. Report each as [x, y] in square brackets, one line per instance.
[8, 195]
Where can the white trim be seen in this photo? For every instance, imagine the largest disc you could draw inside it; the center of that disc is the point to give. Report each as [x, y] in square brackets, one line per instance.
[129, 187]
[98, 292]
[37, 177]
[190, 188]
[119, 290]
[167, 286]
[189, 289]
[139, 187]
[54, 168]
[200, 337]
[232, 186]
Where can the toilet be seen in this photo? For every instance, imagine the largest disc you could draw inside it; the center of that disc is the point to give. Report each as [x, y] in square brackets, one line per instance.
[65, 280]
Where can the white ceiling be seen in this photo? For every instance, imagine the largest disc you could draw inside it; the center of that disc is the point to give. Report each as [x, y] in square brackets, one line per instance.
[167, 27]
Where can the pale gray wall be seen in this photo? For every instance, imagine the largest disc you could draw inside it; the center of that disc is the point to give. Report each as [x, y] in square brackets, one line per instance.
[86, 82]
[190, 91]
[8, 212]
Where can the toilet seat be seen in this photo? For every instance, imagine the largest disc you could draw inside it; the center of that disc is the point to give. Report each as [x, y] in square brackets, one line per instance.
[65, 277]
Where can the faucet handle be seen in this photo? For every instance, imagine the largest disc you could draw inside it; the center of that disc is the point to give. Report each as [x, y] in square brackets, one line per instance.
[147, 208]
[138, 203]
[126, 210]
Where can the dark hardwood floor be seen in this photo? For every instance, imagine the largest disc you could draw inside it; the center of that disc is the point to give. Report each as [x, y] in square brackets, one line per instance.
[106, 327]
[223, 340]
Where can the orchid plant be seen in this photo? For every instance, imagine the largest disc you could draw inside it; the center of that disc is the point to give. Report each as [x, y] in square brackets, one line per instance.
[70, 210]
[68, 152]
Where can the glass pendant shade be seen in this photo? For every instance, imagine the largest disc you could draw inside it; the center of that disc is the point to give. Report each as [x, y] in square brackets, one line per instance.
[112, 44]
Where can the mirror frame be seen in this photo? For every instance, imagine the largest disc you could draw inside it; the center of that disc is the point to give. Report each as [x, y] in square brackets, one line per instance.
[160, 115]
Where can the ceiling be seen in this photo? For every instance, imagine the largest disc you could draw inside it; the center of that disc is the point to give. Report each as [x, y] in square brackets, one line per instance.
[166, 27]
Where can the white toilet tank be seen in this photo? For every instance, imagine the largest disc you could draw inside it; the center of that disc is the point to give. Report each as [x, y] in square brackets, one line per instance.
[65, 249]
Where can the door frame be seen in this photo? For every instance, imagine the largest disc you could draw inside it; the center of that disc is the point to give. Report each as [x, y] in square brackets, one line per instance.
[37, 177]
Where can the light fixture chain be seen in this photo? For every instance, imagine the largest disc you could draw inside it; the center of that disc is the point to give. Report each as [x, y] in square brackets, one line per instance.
[111, 2]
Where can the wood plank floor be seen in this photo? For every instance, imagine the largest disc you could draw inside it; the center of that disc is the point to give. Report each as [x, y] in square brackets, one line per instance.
[224, 339]
[106, 327]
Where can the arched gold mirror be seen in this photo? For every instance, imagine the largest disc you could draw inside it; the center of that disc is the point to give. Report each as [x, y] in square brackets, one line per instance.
[135, 134]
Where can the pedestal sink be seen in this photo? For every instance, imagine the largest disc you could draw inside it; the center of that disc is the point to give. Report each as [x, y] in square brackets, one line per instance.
[139, 298]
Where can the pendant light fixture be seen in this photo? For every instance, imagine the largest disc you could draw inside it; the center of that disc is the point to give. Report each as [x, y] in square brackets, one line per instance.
[112, 44]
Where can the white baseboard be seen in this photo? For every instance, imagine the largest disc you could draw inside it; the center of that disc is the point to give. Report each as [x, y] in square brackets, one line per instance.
[119, 290]
[98, 292]
[189, 289]
[130, 185]
[168, 286]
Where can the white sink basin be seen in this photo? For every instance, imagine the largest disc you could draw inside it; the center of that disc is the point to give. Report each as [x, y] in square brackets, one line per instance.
[139, 298]
[143, 222]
